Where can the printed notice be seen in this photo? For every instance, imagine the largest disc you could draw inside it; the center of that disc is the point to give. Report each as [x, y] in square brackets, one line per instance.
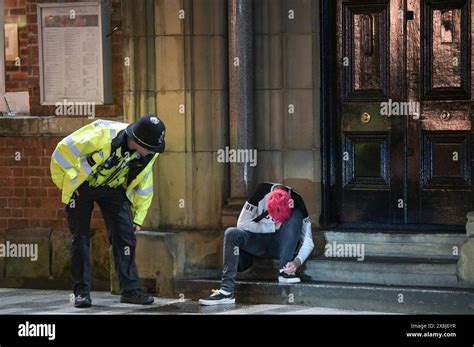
[71, 53]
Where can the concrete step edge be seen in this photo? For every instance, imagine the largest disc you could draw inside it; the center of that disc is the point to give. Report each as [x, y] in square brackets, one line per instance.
[394, 238]
[431, 269]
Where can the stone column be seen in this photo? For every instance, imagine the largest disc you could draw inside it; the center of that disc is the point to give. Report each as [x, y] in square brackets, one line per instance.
[138, 32]
[466, 254]
[241, 94]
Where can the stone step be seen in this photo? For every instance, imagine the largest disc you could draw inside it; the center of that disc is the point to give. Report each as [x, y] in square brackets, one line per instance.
[261, 269]
[412, 245]
[385, 270]
[394, 299]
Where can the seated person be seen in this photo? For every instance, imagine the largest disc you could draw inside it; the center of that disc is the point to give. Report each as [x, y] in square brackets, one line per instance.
[270, 224]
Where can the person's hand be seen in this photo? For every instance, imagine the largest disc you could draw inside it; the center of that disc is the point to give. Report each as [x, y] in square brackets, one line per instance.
[277, 226]
[136, 228]
[292, 266]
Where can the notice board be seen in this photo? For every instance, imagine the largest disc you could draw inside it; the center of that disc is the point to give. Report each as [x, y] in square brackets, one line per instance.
[74, 53]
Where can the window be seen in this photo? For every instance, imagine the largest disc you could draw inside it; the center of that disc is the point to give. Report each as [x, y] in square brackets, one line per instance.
[14, 98]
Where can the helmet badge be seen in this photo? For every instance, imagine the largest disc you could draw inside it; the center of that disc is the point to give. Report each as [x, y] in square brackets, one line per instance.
[160, 139]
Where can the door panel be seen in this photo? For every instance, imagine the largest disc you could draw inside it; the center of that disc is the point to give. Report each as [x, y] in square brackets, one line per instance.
[414, 167]
[370, 141]
[368, 162]
[446, 160]
[442, 191]
[365, 50]
[445, 49]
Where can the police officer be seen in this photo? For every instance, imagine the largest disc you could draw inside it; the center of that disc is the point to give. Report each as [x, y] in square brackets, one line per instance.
[110, 163]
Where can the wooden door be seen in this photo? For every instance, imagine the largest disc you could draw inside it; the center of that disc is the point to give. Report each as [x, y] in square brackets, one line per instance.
[405, 111]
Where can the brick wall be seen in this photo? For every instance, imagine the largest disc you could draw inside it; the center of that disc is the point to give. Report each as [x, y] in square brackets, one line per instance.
[16, 76]
[33, 61]
[28, 196]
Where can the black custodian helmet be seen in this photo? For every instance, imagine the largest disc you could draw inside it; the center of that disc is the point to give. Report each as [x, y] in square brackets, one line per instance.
[149, 132]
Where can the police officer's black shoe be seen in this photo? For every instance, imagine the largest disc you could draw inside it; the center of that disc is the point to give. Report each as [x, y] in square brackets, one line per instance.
[82, 301]
[136, 296]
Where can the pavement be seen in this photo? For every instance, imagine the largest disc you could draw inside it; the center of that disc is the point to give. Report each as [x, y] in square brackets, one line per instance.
[33, 301]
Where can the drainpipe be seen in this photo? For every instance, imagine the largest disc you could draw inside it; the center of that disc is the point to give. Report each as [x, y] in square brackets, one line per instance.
[241, 95]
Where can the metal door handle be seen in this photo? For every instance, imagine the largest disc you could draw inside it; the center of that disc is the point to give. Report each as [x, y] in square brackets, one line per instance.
[365, 117]
[445, 116]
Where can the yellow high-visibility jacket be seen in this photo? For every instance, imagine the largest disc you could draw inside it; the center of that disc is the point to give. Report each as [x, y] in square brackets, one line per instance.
[70, 168]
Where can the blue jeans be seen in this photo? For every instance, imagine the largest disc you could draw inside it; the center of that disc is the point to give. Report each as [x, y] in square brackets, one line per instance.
[241, 245]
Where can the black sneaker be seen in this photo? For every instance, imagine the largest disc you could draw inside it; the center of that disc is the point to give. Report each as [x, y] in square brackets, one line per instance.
[218, 298]
[286, 278]
[136, 296]
[82, 301]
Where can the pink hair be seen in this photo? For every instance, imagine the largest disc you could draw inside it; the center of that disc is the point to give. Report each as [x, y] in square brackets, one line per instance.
[278, 205]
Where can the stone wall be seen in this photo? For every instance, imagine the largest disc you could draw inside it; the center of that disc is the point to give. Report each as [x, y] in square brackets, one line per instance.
[183, 46]
[466, 253]
[287, 96]
[188, 90]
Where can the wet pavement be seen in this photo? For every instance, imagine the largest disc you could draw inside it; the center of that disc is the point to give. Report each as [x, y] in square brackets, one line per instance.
[33, 301]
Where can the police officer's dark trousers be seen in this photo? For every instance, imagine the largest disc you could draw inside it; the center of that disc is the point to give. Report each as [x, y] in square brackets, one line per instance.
[118, 217]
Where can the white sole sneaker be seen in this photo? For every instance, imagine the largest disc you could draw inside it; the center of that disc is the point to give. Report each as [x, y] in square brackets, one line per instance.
[289, 280]
[216, 302]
